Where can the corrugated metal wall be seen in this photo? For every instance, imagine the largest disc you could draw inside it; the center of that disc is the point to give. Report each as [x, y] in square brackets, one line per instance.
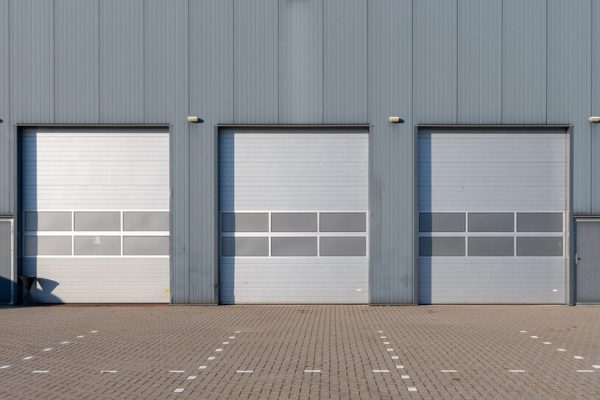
[304, 62]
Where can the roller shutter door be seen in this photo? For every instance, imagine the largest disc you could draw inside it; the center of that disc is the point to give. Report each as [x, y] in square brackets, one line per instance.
[294, 217]
[95, 212]
[493, 216]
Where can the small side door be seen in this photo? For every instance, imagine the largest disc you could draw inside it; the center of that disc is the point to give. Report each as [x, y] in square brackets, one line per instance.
[587, 268]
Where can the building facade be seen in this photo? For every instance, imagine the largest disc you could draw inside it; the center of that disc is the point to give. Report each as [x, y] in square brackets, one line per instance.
[346, 151]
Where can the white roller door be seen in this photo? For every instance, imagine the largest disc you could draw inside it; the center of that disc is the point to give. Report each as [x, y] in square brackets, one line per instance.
[95, 214]
[493, 212]
[294, 217]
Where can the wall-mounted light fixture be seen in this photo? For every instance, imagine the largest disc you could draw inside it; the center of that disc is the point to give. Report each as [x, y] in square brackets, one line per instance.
[1, 120]
[594, 119]
[192, 119]
[394, 119]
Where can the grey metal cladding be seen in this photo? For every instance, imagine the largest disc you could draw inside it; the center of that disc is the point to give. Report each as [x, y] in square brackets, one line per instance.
[491, 222]
[146, 221]
[97, 245]
[245, 246]
[442, 246]
[47, 245]
[48, 221]
[540, 246]
[491, 246]
[342, 222]
[343, 246]
[97, 221]
[293, 222]
[7, 134]
[146, 245]
[441, 222]
[6, 261]
[293, 246]
[539, 222]
[245, 222]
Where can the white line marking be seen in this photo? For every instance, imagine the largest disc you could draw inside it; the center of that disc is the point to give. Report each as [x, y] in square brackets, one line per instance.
[236, 332]
[379, 331]
[219, 350]
[225, 342]
[381, 370]
[93, 331]
[65, 342]
[585, 370]
[4, 366]
[596, 366]
[108, 371]
[395, 358]
[523, 331]
[202, 367]
[48, 349]
[404, 376]
[178, 390]
[535, 337]
[449, 370]
[382, 337]
[390, 349]
[561, 349]
[412, 389]
[231, 337]
[80, 336]
[547, 343]
[578, 357]
[309, 371]
[400, 366]
[37, 371]
[386, 342]
[192, 377]
[176, 371]
[210, 358]
[516, 370]
[27, 358]
[241, 371]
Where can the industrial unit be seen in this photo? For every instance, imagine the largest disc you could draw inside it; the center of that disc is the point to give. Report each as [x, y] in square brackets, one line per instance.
[300, 151]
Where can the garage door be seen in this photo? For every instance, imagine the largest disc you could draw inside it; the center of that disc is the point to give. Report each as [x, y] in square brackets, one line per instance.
[492, 216]
[293, 220]
[96, 214]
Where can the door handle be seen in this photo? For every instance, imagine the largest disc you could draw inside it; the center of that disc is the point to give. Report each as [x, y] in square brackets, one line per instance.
[577, 259]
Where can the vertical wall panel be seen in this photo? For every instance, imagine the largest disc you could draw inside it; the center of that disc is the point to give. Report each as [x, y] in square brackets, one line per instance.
[166, 89]
[300, 61]
[211, 97]
[594, 149]
[435, 52]
[255, 51]
[32, 60]
[524, 61]
[392, 157]
[6, 133]
[479, 61]
[570, 85]
[345, 61]
[121, 61]
[76, 61]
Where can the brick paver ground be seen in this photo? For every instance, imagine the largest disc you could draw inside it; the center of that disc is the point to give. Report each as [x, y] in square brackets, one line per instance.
[350, 351]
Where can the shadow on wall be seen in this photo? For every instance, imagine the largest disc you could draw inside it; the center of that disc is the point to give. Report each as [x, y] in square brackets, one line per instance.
[424, 197]
[226, 162]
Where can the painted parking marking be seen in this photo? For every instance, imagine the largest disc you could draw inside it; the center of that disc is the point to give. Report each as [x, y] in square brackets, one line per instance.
[312, 371]
[176, 371]
[27, 358]
[231, 337]
[596, 366]
[386, 342]
[218, 350]
[449, 371]
[395, 358]
[237, 332]
[65, 342]
[379, 331]
[404, 376]
[244, 371]
[178, 390]
[38, 371]
[523, 331]
[412, 389]
[382, 337]
[108, 371]
[561, 349]
[4, 366]
[516, 370]
[225, 342]
[202, 367]
[93, 331]
[535, 337]
[47, 349]
[400, 366]
[578, 357]
[585, 370]
[381, 371]
[547, 342]
[210, 358]
[390, 349]
[192, 377]
[80, 336]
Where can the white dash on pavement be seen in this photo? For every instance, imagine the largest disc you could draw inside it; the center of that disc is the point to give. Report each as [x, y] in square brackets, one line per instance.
[386, 342]
[395, 358]
[65, 342]
[178, 390]
[390, 349]
[176, 371]
[47, 349]
[379, 331]
[535, 337]
[382, 337]
[523, 331]
[37, 371]
[561, 349]
[225, 342]
[192, 377]
[400, 366]
[4, 366]
[404, 376]
[449, 370]
[219, 350]
[108, 371]
[381, 370]
[585, 370]
[231, 337]
[242, 371]
[236, 332]
[93, 331]
[210, 358]
[516, 370]
[312, 371]
[412, 389]
[80, 336]
[578, 357]
[596, 366]
[547, 342]
[202, 367]
[27, 358]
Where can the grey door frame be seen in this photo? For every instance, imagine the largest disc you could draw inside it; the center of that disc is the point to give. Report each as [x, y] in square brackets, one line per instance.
[13, 284]
[570, 280]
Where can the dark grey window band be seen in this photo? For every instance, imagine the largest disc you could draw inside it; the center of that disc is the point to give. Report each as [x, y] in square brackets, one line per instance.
[347, 246]
[294, 246]
[97, 221]
[245, 246]
[491, 246]
[539, 222]
[491, 222]
[293, 222]
[245, 222]
[343, 222]
[48, 221]
[540, 246]
[441, 222]
[442, 246]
